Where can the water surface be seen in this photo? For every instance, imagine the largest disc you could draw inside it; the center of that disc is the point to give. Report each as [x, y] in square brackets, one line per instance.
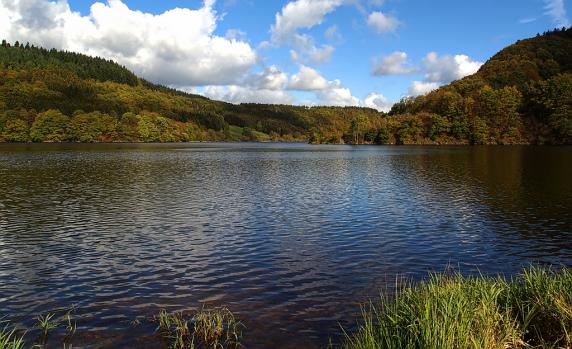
[290, 237]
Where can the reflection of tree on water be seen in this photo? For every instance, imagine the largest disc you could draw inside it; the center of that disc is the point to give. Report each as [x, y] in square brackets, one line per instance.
[288, 236]
[519, 196]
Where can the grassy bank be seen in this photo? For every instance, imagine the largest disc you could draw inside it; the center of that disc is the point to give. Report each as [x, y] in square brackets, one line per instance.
[532, 310]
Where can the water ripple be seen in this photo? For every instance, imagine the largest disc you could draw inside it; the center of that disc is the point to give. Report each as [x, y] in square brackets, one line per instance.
[290, 237]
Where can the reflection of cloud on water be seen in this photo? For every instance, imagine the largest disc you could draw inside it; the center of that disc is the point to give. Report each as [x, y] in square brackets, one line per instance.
[276, 235]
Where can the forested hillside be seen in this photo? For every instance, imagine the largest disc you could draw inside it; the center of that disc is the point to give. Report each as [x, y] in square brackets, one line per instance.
[521, 95]
[55, 96]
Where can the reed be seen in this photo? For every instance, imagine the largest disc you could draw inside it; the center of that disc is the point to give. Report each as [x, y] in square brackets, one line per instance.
[449, 310]
[216, 328]
[47, 323]
[9, 338]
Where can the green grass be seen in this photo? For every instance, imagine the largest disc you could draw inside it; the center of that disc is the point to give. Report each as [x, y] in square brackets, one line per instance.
[9, 338]
[217, 328]
[533, 310]
[235, 132]
[47, 323]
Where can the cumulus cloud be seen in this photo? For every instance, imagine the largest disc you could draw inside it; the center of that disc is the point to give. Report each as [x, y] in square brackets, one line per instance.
[557, 10]
[327, 92]
[378, 101]
[419, 88]
[266, 86]
[298, 15]
[270, 78]
[447, 68]
[393, 64]
[273, 86]
[337, 95]
[440, 70]
[177, 47]
[305, 50]
[236, 34]
[301, 14]
[241, 94]
[382, 23]
[307, 79]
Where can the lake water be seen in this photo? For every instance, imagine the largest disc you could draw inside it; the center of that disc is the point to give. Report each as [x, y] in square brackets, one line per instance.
[290, 237]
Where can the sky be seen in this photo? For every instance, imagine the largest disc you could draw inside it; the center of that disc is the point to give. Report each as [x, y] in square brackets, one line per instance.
[308, 52]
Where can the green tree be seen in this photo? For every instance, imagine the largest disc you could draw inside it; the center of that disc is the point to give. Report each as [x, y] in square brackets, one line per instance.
[92, 127]
[50, 126]
[357, 129]
[147, 128]
[409, 130]
[128, 127]
[500, 108]
[382, 135]
[479, 131]
[440, 126]
[551, 100]
[16, 130]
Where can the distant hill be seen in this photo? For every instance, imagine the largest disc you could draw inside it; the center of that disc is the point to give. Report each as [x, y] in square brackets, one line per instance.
[54, 96]
[521, 95]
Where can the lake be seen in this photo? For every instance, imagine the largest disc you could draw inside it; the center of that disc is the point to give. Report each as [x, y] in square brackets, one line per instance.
[291, 237]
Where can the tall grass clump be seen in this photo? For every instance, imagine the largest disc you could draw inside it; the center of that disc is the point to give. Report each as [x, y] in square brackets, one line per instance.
[533, 310]
[541, 299]
[216, 329]
[9, 338]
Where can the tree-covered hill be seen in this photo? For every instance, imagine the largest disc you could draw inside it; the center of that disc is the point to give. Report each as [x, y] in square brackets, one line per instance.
[521, 95]
[83, 66]
[51, 95]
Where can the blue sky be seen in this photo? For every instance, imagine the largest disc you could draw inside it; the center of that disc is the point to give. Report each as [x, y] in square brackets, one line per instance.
[341, 52]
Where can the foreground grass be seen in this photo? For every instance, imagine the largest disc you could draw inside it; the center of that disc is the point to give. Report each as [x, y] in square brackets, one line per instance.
[9, 339]
[533, 310]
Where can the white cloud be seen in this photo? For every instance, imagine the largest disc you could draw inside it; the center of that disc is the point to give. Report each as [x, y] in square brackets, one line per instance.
[393, 64]
[378, 101]
[328, 92]
[272, 85]
[305, 50]
[447, 68]
[418, 88]
[269, 79]
[177, 47]
[336, 95]
[236, 34]
[240, 94]
[557, 10]
[298, 15]
[301, 14]
[266, 86]
[440, 70]
[333, 33]
[307, 79]
[382, 23]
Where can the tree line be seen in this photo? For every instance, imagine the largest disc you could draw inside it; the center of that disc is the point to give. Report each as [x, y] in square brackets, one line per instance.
[521, 95]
